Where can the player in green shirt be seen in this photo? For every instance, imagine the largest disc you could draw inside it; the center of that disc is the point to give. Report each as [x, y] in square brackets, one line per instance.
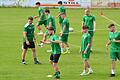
[41, 18]
[50, 23]
[89, 20]
[114, 41]
[28, 42]
[85, 50]
[61, 10]
[64, 34]
[56, 50]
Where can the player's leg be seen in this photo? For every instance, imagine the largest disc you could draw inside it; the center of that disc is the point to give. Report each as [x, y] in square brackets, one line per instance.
[113, 59]
[113, 68]
[39, 23]
[67, 45]
[24, 51]
[55, 65]
[32, 46]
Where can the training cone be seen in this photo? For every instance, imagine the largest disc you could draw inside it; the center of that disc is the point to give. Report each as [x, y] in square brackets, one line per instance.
[101, 13]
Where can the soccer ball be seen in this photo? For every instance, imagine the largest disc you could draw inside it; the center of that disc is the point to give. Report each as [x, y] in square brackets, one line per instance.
[71, 29]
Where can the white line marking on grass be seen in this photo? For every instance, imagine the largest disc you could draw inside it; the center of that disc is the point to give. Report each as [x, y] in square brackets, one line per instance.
[110, 20]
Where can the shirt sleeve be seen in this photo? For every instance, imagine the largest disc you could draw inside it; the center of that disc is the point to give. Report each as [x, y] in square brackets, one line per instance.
[93, 18]
[89, 39]
[56, 38]
[25, 29]
[83, 19]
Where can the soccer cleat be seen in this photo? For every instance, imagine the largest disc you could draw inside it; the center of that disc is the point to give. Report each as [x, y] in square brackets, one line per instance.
[49, 50]
[40, 34]
[41, 45]
[23, 62]
[37, 62]
[90, 72]
[83, 74]
[112, 75]
[57, 75]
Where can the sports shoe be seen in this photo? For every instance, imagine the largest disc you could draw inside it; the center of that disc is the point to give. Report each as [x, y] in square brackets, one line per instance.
[23, 62]
[83, 74]
[49, 50]
[41, 45]
[90, 72]
[37, 62]
[57, 75]
[40, 33]
[112, 75]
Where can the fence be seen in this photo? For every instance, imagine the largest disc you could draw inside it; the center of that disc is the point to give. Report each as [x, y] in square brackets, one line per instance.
[67, 3]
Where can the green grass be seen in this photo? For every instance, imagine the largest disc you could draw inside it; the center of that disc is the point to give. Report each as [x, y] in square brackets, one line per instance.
[12, 21]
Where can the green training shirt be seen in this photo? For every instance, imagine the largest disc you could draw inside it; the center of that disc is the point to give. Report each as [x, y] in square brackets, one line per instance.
[55, 46]
[65, 23]
[40, 12]
[62, 9]
[115, 46]
[86, 39]
[51, 19]
[89, 21]
[29, 29]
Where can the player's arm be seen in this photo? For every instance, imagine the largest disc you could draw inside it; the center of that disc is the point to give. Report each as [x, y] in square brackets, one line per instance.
[88, 46]
[50, 24]
[25, 36]
[94, 26]
[108, 43]
[63, 30]
[56, 41]
[58, 14]
[118, 41]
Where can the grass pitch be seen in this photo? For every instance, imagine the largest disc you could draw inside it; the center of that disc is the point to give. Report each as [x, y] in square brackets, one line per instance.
[71, 65]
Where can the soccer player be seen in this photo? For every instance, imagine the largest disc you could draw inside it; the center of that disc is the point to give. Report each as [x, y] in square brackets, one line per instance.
[50, 23]
[64, 34]
[114, 41]
[41, 18]
[28, 40]
[89, 20]
[61, 10]
[56, 51]
[85, 50]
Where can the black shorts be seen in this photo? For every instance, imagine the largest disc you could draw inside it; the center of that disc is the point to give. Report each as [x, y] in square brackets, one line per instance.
[25, 46]
[55, 57]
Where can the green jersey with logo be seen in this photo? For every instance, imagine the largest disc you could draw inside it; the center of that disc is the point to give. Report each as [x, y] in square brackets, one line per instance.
[41, 12]
[56, 49]
[52, 20]
[89, 21]
[65, 23]
[29, 29]
[86, 39]
[115, 46]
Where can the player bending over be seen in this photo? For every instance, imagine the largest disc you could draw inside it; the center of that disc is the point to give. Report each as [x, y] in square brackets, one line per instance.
[61, 10]
[85, 49]
[56, 51]
[50, 23]
[28, 40]
[89, 20]
[64, 34]
[41, 18]
[114, 41]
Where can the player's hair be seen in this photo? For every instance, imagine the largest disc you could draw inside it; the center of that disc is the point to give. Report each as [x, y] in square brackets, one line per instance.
[37, 3]
[51, 28]
[60, 2]
[47, 10]
[85, 27]
[111, 25]
[30, 18]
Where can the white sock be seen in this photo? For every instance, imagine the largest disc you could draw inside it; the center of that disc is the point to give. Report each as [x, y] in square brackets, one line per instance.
[113, 71]
[84, 71]
[90, 69]
[62, 49]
